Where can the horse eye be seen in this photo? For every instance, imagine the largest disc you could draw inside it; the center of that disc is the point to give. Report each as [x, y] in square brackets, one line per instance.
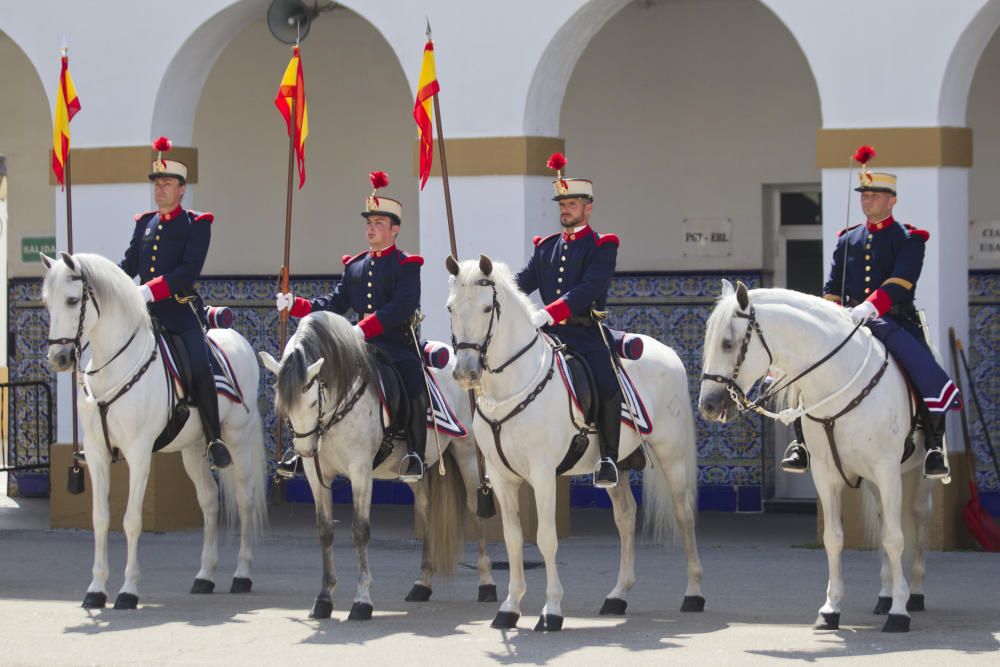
[448, 308]
[727, 346]
[72, 300]
[313, 404]
[487, 309]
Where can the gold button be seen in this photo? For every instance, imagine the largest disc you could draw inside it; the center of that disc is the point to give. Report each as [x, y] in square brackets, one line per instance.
[868, 268]
[868, 279]
[157, 237]
[561, 269]
[869, 237]
[151, 269]
[867, 290]
[564, 247]
[369, 273]
[558, 291]
[159, 226]
[369, 306]
[868, 246]
[559, 281]
[369, 284]
[369, 295]
[563, 258]
[154, 247]
[867, 257]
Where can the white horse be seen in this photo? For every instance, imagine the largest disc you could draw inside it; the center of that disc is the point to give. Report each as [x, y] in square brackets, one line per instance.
[490, 315]
[327, 388]
[90, 300]
[863, 398]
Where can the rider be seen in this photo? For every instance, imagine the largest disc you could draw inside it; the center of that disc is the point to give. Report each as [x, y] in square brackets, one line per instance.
[572, 271]
[167, 252]
[381, 285]
[884, 259]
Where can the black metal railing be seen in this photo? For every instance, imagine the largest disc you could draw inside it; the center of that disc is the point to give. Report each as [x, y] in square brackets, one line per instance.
[26, 410]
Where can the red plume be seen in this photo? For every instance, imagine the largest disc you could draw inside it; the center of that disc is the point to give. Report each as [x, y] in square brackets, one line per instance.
[863, 154]
[379, 179]
[162, 144]
[556, 161]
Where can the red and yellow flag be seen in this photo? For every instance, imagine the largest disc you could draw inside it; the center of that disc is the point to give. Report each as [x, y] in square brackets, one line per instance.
[67, 104]
[292, 96]
[423, 111]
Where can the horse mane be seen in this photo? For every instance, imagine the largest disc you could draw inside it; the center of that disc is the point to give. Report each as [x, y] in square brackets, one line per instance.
[322, 335]
[114, 291]
[507, 289]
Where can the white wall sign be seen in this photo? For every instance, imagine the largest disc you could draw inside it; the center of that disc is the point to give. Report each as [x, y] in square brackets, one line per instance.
[984, 244]
[707, 237]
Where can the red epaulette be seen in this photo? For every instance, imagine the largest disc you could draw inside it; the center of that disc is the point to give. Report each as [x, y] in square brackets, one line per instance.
[607, 238]
[539, 240]
[844, 231]
[196, 216]
[410, 259]
[140, 216]
[347, 259]
[920, 233]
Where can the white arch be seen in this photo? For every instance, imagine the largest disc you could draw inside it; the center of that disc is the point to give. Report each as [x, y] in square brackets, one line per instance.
[962, 62]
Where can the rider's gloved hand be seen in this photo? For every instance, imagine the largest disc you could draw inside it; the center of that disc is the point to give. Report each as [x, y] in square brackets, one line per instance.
[284, 301]
[864, 312]
[146, 293]
[540, 318]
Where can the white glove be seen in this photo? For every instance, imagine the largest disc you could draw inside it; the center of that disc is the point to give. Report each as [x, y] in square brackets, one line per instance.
[359, 332]
[146, 293]
[284, 301]
[864, 312]
[540, 318]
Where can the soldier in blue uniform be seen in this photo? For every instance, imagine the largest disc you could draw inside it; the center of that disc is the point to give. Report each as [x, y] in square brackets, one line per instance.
[167, 252]
[572, 271]
[883, 262]
[382, 286]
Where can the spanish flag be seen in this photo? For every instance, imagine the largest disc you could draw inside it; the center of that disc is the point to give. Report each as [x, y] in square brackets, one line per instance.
[67, 104]
[423, 111]
[292, 96]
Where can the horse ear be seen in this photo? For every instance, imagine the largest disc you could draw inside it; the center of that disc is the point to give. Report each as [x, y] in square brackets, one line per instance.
[452, 265]
[313, 369]
[46, 260]
[742, 296]
[270, 363]
[69, 261]
[485, 265]
[727, 288]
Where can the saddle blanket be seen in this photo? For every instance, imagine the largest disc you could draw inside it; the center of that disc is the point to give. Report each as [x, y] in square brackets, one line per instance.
[440, 414]
[225, 379]
[630, 394]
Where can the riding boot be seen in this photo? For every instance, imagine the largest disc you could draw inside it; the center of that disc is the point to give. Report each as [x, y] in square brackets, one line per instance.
[208, 408]
[609, 431]
[935, 461]
[411, 468]
[796, 455]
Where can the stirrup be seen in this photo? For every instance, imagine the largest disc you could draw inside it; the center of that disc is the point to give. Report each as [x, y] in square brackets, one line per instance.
[789, 465]
[289, 465]
[946, 475]
[403, 472]
[218, 455]
[605, 483]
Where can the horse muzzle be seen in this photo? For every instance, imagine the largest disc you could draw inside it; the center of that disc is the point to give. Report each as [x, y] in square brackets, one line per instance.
[717, 405]
[467, 378]
[61, 357]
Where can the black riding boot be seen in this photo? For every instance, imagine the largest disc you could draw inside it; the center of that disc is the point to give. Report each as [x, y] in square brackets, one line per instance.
[935, 461]
[609, 428]
[796, 455]
[208, 408]
[411, 468]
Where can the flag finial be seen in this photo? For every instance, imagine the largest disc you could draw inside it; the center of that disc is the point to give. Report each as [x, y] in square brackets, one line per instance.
[428, 26]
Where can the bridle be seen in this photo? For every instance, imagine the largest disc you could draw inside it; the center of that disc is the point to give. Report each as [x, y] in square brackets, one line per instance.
[482, 348]
[323, 424]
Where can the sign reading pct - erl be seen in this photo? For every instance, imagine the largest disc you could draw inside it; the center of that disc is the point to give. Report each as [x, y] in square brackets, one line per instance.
[707, 237]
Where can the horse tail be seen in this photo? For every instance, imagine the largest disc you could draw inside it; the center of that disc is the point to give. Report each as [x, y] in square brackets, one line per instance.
[446, 517]
[659, 519]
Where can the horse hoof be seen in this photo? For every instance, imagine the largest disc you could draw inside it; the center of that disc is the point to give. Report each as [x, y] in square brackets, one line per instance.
[360, 611]
[693, 603]
[488, 593]
[95, 601]
[896, 623]
[828, 621]
[127, 601]
[505, 620]
[241, 585]
[613, 607]
[202, 587]
[321, 609]
[916, 602]
[883, 606]
[419, 593]
[549, 623]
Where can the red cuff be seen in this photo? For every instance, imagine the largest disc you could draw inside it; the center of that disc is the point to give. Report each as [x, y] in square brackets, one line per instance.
[301, 307]
[881, 300]
[371, 326]
[558, 310]
[159, 287]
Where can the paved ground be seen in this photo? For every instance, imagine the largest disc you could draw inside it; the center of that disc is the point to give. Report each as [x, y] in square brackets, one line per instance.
[762, 581]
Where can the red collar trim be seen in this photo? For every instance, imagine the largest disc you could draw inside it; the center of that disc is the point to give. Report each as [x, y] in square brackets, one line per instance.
[384, 252]
[880, 225]
[166, 217]
[569, 237]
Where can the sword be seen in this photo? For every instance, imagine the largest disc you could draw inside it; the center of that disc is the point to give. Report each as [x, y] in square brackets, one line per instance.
[417, 318]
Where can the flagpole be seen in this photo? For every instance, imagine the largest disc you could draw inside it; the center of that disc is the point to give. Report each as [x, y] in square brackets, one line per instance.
[68, 184]
[287, 258]
[485, 506]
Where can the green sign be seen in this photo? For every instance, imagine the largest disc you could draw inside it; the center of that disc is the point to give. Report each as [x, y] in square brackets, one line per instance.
[32, 245]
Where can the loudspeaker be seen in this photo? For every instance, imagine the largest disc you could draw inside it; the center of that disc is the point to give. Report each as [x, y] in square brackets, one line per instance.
[289, 20]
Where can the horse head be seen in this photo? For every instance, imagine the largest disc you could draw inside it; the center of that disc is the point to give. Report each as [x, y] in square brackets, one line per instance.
[474, 307]
[65, 294]
[734, 359]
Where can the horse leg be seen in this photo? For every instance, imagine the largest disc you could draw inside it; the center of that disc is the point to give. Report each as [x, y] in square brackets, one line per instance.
[510, 609]
[242, 483]
[421, 591]
[470, 475]
[623, 505]
[884, 601]
[921, 520]
[208, 500]
[682, 491]
[833, 541]
[128, 596]
[323, 605]
[548, 544]
[99, 468]
[890, 491]
[361, 485]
